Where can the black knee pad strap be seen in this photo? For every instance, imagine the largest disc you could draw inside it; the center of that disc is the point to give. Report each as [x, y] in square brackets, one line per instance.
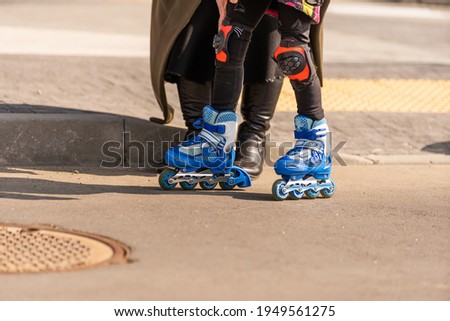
[230, 31]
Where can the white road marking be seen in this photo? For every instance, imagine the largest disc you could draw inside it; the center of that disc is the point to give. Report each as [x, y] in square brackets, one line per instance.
[39, 41]
[388, 11]
[344, 48]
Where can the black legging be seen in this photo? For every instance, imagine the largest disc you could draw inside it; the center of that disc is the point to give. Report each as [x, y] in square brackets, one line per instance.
[229, 75]
[295, 24]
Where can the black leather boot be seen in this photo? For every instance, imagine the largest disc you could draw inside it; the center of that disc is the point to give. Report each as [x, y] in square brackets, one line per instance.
[257, 109]
[193, 97]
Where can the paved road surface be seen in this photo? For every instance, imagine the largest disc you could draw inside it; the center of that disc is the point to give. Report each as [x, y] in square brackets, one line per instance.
[376, 239]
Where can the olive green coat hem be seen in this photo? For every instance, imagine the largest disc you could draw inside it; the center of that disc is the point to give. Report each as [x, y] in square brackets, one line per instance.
[169, 17]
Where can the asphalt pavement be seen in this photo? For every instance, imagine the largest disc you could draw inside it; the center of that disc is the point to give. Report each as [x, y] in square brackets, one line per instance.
[384, 235]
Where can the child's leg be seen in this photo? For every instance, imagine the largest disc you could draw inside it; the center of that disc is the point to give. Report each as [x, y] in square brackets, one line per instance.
[295, 59]
[306, 168]
[262, 87]
[231, 47]
[208, 158]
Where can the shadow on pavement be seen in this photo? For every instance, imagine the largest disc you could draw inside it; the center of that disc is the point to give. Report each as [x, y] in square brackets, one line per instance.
[16, 171]
[26, 197]
[122, 171]
[235, 193]
[438, 148]
[41, 186]
[30, 189]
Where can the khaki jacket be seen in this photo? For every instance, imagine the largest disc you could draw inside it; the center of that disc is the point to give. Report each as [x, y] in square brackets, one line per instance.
[169, 17]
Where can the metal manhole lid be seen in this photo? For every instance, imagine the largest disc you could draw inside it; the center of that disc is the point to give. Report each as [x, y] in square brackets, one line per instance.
[32, 249]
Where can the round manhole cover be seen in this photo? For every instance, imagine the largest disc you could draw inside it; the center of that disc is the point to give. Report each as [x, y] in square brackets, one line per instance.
[42, 249]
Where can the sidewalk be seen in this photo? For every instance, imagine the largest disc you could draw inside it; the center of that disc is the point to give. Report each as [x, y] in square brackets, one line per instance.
[96, 74]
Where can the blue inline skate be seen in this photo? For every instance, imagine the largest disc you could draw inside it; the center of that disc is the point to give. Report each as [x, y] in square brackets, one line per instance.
[306, 169]
[208, 158]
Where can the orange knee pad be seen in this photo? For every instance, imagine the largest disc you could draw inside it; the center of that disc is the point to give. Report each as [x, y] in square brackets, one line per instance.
[294, 61]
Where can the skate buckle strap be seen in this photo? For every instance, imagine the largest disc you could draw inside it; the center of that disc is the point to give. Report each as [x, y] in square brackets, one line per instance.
[312, 134]
[216, 153]
[192, 141]
[218, 129]
[209, 137]
[198, 124]
[307, 144]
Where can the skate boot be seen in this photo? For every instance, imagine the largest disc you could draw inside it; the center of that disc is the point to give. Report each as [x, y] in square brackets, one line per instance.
[306, 169]
[257, 109]
[207, 158]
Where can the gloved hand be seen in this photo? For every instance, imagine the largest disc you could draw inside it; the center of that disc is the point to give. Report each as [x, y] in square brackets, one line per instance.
[222, 5]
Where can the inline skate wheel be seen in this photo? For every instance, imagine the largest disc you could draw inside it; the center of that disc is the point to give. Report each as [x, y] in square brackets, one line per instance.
[312, 194]
[295, 195]
[229, 184]
[164, 178]
[278, 190]
[207, 186]
[328, 192]
[187, 186]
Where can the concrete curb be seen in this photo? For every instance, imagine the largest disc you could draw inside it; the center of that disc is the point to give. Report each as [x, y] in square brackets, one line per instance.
[85, 139]
[112, 141]
[417, 159]
[422, 159]
[354, 159]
